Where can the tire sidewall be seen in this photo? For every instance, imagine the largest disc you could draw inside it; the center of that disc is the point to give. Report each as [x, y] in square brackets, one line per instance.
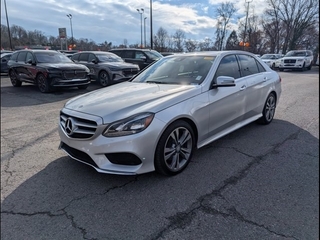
[159, 163]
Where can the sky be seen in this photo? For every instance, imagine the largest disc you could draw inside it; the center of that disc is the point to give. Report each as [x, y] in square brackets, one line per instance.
[118, 20]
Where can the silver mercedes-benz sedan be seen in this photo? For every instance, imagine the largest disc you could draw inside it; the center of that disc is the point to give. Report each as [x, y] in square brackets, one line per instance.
[156, 120]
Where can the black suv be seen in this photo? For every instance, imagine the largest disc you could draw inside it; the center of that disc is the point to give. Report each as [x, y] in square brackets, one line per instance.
[141, 57]
[106, 67]
[47, 69]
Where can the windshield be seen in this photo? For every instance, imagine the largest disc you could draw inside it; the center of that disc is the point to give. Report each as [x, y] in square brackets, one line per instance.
[109, 58]
[51, 57]
[177, 70]
[154, 55]
[296, 54]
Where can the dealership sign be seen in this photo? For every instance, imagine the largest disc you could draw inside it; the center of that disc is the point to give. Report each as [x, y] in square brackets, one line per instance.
[62, 32]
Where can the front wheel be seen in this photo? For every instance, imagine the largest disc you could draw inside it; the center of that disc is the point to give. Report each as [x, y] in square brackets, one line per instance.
[14, 79]
[268, 110]
[104, 78]
[175, 149]
[43, 84]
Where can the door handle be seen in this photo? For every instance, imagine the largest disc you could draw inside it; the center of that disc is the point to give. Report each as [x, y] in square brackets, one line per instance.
[243, 87]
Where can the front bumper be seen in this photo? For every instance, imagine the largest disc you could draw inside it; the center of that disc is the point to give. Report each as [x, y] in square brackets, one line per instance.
[93, 151]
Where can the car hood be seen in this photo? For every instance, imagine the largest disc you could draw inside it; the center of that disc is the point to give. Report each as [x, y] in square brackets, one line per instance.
[118, 64]
[126, 99]
[63, 66]
[295, 57]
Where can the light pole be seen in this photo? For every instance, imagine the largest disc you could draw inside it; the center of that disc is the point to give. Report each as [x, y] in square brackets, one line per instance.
[245, 26]
[70, 17]
[5, 6]
[151, 37]
[140, 11]
[145, 41]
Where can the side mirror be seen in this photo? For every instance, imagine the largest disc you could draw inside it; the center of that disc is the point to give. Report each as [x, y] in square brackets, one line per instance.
[224, 81]
[95, 61]
[4, 60]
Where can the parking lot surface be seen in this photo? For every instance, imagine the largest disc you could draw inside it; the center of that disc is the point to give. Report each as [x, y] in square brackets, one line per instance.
[260, 182]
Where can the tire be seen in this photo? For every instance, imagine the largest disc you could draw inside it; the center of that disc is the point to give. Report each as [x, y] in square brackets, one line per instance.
[303, 67]
[309, 68]
[104, 79]
[83, 86]
[268, 110]
[175, 148]
[14, 79]
[43, 84]
[273, 66]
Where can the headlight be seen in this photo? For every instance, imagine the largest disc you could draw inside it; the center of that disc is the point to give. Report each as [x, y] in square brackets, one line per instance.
[128, 126]
[300, 60]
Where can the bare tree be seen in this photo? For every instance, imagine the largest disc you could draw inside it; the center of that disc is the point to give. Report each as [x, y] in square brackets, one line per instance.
[233, 41]
[224, 14]
[178, 39]
[190, 45]
[296, 17]
[206, 45]
[160, 40]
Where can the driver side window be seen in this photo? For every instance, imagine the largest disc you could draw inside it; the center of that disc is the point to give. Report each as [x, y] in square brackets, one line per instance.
[228, 67]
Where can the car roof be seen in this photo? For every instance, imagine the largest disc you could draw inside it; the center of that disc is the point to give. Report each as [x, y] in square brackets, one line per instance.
[37, 50]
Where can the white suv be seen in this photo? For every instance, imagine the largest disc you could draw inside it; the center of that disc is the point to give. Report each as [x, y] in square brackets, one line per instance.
[297, 59]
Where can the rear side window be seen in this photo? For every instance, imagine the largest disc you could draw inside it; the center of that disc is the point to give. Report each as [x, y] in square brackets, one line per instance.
[83, 57]
[128, 54]
[22, 56]
[248, 65]
[118, 52]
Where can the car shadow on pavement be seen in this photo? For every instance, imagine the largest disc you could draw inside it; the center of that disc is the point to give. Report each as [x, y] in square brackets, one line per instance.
[268, 173]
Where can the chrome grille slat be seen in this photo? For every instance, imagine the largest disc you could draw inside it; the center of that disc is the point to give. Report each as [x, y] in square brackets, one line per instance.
[81, 128]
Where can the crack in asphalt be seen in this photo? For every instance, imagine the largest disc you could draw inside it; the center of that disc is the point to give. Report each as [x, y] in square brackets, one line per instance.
[182, 219]
[65, 212]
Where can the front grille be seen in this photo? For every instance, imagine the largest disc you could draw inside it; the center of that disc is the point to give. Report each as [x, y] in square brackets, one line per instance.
[75, 74]
[289, 61]
[130, 72]
[77, 127]
[79, 155]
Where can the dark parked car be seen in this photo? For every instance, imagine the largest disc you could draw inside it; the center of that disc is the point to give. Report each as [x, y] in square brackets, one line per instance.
[47, 69]
[141, 57]
[105, 67]
[4, 61]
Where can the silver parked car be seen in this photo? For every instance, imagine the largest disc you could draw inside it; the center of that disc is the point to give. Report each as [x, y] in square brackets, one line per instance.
[156, 120]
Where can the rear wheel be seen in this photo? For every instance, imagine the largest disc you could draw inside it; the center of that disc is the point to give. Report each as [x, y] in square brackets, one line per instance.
[268, 110]
[43, 84]
[175, 149]
[104, 78]
[14, 79]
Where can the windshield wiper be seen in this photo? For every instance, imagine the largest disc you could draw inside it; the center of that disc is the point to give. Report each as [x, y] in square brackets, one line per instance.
[160, 82]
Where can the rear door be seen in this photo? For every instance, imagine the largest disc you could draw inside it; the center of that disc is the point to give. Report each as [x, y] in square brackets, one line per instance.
[257, 78]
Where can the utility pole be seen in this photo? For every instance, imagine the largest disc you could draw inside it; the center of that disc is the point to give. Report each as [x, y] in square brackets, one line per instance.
[140, 11]
[245, 26]
[151, 34]
[145, 39]
[5, 6]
